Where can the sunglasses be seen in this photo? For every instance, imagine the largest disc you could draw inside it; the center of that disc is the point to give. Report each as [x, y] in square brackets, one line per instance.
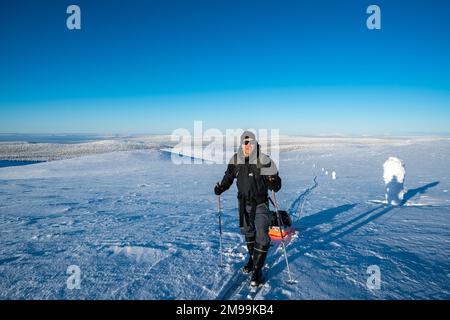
[246, 142]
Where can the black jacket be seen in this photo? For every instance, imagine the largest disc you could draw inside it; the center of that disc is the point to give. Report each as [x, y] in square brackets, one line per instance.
[255, 175]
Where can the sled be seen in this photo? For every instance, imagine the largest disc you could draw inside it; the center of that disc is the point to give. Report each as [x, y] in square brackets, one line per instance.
[286, 229]
[274, 232]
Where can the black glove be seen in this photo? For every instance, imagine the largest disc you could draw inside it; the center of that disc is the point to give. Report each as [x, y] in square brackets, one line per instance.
[218, 189]
[274, 182]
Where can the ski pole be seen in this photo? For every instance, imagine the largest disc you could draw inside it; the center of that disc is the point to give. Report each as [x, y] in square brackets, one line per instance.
[220, 229]
[281, 234]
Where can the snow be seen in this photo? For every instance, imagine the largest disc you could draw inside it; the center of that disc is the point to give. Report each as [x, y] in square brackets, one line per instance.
[393, 167]
[44, 151]
[333, 175]
[45, 148]
[142, 227]
[394, 176]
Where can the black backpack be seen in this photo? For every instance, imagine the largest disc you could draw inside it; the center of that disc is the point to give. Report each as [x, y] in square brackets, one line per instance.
[284, 216]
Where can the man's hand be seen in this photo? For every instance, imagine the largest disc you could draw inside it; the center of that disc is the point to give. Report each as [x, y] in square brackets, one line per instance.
[274, 183]
[218, 189]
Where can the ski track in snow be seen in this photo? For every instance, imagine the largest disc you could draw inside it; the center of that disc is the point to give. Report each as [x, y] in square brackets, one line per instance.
[293, 210]
[140, 227]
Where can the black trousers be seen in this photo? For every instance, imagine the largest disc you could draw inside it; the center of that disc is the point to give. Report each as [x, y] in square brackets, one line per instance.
[259, 228]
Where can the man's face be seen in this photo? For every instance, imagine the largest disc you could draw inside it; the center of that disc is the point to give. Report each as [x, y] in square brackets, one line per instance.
[247, 148]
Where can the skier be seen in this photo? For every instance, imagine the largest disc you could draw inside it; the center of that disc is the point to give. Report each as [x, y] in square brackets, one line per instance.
[255, 173]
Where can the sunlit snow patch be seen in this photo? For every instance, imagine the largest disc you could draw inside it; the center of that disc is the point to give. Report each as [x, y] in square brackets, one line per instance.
[141, 254]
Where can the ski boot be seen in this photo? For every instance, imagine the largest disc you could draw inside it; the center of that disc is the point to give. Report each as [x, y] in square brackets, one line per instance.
[250, 246]
[259, 257]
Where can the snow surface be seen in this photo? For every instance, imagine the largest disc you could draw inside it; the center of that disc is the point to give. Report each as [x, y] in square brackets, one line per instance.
[141, 227]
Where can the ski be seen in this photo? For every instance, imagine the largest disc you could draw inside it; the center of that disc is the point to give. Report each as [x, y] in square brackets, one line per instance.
[233, 285]
[251, 293]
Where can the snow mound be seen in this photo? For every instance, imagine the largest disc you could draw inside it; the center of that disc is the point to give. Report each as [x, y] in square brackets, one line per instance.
[394, 176]
[140, 254]
[393, 167]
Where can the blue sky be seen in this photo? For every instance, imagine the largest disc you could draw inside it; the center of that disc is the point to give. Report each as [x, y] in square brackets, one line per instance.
[154, 66]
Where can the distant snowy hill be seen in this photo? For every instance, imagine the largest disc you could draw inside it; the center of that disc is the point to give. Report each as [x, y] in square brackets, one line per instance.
[45, 151]
[140, 227]
[43, 148]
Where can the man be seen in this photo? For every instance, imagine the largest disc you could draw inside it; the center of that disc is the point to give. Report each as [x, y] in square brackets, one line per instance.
[255, 173]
